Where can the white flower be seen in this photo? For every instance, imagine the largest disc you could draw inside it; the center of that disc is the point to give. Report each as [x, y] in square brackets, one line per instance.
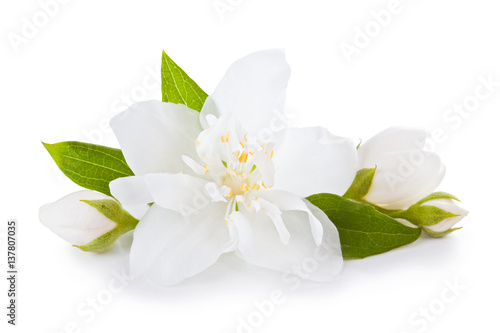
[231, 178]
[448, 206]
[74, 220]
[406, 172]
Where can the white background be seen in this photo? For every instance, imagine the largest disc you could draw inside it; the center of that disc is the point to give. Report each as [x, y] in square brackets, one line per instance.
[69, 78]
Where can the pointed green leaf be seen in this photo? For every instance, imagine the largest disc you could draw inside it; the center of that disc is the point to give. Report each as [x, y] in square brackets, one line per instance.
[90, 166]
[115, 212]
[362, 229]
[177, 87]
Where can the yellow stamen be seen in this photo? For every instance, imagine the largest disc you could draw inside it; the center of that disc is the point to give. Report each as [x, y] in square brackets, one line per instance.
[243, 157]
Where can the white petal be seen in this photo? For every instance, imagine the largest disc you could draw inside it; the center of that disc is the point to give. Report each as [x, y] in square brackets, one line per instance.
[132, 193]
[398, 183]
[447, 205]
[253, 89]
[75, 221]
[301, 256]
[169, 248]
[274, 213]
[195, 166]
[131, 190]
[445, 224]
[216, 143]
[217, 193]
[391, 140]
[182, 193]
[265, 165]
[241, 233]
[154, 135]
[311, 160]
[209, 113]
[289, 201]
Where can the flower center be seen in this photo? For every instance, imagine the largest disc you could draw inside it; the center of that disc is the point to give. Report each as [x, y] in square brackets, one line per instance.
[237, 181]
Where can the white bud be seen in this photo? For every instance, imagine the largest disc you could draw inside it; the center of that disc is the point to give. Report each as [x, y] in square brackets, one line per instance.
[406, 170]
[74, 220]
[448, 206]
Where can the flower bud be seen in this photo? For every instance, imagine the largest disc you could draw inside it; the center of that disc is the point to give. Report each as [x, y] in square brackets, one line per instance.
[89, 220]
[405, 170]
[436, 214]
[445, 226]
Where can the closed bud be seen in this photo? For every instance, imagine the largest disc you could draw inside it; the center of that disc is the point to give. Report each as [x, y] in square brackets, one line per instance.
[405, 169]
[89, 220]
[436, 214]
[445, 225]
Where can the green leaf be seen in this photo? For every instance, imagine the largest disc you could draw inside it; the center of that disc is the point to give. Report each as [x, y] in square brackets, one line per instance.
[90, 166]
[361, 184]
[177, 87]
[115, 212]
[362, 229]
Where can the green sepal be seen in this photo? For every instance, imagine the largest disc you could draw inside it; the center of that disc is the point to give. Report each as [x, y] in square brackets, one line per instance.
[436, 195]
[177, 87]
[115, 212]
[361, 184]
[439, 234]
[424, 215]
[88, 165]
[363, 230]
[101, 244]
